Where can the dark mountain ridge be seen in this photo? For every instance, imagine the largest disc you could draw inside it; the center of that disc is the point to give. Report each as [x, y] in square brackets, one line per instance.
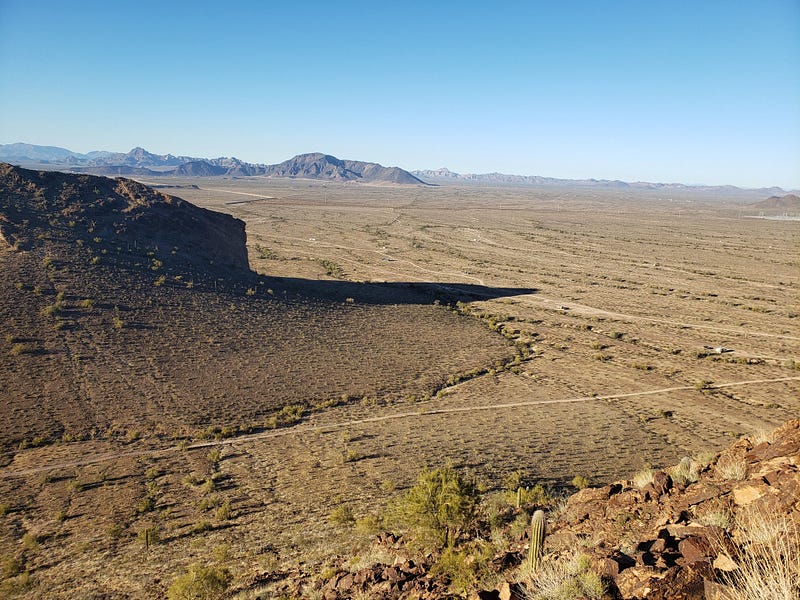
[141, 163]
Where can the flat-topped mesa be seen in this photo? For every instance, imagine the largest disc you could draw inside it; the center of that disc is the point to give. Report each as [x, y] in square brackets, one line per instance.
[118, 220]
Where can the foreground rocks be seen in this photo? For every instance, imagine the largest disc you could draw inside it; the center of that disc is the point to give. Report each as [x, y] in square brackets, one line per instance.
[674, 538]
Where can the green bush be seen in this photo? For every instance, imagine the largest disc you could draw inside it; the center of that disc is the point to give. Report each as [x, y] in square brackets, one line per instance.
[464, 567]
[580, 482]
[200, 583]
[342, 515]
[439, 508]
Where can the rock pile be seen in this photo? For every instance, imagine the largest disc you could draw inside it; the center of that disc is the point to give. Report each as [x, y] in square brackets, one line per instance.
[677, 536]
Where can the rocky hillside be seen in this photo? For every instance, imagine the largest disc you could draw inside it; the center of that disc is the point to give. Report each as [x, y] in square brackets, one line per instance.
[704, 529]
[119, 220]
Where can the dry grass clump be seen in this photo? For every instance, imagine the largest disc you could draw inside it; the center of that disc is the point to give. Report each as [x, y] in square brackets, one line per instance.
[643, 477]
[565, 579]
[731, 468]
[769, 558]
[685, 472]
[200, 583]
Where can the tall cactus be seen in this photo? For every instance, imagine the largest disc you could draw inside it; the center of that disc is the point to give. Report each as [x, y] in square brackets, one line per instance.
[537, 540]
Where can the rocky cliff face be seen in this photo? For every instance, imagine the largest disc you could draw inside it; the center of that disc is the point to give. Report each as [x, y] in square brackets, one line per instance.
[120, 220]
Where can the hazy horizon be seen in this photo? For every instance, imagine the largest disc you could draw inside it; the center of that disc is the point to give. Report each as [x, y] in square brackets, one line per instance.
[696, 94]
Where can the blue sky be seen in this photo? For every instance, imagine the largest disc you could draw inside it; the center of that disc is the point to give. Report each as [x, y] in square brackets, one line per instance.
[694, 91]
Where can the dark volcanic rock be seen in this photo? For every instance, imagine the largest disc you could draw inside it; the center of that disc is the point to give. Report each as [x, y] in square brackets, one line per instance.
[119, 220]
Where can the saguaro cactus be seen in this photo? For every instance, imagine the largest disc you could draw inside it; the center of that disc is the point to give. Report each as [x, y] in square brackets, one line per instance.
[537, 539]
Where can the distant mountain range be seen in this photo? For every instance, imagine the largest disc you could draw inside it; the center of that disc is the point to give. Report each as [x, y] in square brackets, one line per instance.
[444, 175]
[141, 163]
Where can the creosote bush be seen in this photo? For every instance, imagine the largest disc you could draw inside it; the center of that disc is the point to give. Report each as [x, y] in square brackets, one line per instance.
[439, 507]
[200, 583]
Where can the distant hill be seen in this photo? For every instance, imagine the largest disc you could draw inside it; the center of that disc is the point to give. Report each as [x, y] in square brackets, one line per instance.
[324, 166]
[141, 163]
[445, 176]
[35, 153]
[786, 202]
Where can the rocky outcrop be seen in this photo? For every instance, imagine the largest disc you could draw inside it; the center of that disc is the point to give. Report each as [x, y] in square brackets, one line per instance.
[677, 539]
[119, 220]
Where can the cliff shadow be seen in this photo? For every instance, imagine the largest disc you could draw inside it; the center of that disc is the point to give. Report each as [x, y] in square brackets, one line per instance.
[401, 292]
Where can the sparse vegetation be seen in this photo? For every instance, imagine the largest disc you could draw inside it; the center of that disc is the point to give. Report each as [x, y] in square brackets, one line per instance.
[769, 559]
[200, 583]
[566, 579]
[731, 468]
[439, 507]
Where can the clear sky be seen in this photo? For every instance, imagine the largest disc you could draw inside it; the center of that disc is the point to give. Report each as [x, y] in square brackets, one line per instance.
[695, 91]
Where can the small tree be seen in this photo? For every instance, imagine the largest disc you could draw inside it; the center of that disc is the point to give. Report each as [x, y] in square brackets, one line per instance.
[439, 507]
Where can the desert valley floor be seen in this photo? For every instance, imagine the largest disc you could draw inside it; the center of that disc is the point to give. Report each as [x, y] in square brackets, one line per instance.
[553, 332]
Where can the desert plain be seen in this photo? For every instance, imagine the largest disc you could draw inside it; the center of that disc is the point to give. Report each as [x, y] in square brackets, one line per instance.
[549, 332]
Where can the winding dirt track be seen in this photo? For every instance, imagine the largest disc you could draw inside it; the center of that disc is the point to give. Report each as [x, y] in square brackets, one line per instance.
[100, 458]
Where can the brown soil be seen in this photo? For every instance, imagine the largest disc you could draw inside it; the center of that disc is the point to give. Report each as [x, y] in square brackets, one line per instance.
[621, 300]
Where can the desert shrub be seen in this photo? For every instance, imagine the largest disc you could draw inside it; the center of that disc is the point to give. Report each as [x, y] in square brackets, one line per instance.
[342, 515]
[704, 458]
[439, 507]
[369, 524]
[30, 542]
[719, 517]
[210, 502]
[351, 455]
[580, 482]
[685, 472]
[223, 512]
[214, 457]
[535, 496]
[200, 583]
[332, 269]
[288, 415]
[202, 526]
[145, 505]
[464, 567]
[565, 580]
[10, 566]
